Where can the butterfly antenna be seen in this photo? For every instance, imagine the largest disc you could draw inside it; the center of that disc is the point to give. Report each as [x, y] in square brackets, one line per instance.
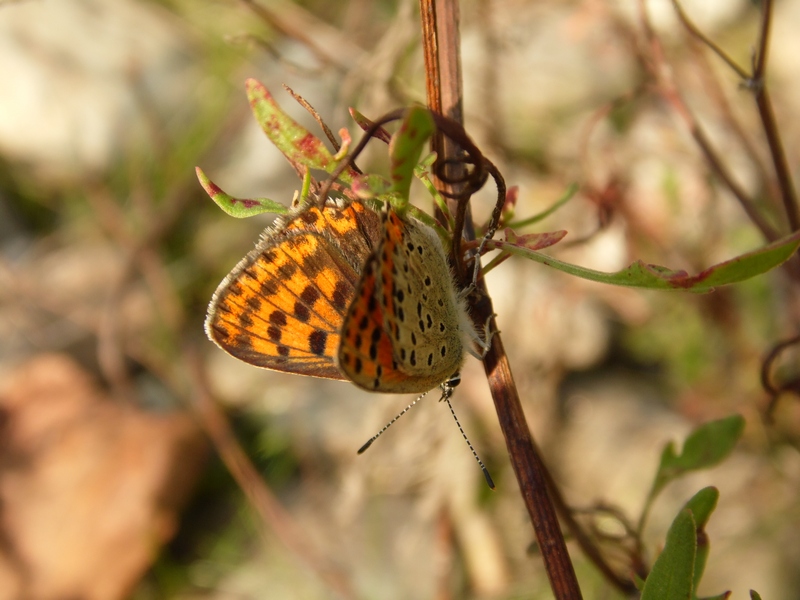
[389, 424]
[447, 391]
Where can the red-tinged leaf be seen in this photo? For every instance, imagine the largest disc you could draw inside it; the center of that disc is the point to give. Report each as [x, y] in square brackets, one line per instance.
[740, 268]
[530, 241]
[298, 145]
[510, 203]
[238, 207]
[364, 123]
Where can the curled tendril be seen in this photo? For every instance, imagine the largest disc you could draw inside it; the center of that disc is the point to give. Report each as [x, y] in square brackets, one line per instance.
[474, 169]
[470, 166]
[775, 389]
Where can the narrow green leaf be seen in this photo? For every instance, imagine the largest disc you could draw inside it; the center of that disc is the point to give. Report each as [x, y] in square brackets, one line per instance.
[422, 172]
[654, 277]
[754, 595]
[671, 576]
[238, 207]
[406, 147]
[565, 197]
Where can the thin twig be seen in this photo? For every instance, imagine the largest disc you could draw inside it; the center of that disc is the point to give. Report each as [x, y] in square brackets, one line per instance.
[585, 541]
[760, 67]
[693, 29]
[782, 171]
[290, 66]
[313, 112]
[670, 92]
[757, 83]
[733, 124]
[327, 44]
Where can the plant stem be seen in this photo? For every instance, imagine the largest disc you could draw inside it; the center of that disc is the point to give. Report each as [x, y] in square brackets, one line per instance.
[443, 72]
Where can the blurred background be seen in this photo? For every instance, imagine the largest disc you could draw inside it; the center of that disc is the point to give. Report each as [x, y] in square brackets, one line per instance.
[110, 251]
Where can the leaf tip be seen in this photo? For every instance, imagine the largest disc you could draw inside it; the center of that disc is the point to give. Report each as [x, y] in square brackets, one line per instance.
[209, 186]
[256, 90]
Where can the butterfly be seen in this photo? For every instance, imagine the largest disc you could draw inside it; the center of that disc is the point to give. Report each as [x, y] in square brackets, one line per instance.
[344, 291]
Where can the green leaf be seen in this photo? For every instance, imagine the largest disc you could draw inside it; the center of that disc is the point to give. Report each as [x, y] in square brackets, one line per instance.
[706, 446]
[654, 277]
[702, 505]
[238, 207]
[406, 148]
[683, 559]
[671, 576]
[754, 595]
[297, 144]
